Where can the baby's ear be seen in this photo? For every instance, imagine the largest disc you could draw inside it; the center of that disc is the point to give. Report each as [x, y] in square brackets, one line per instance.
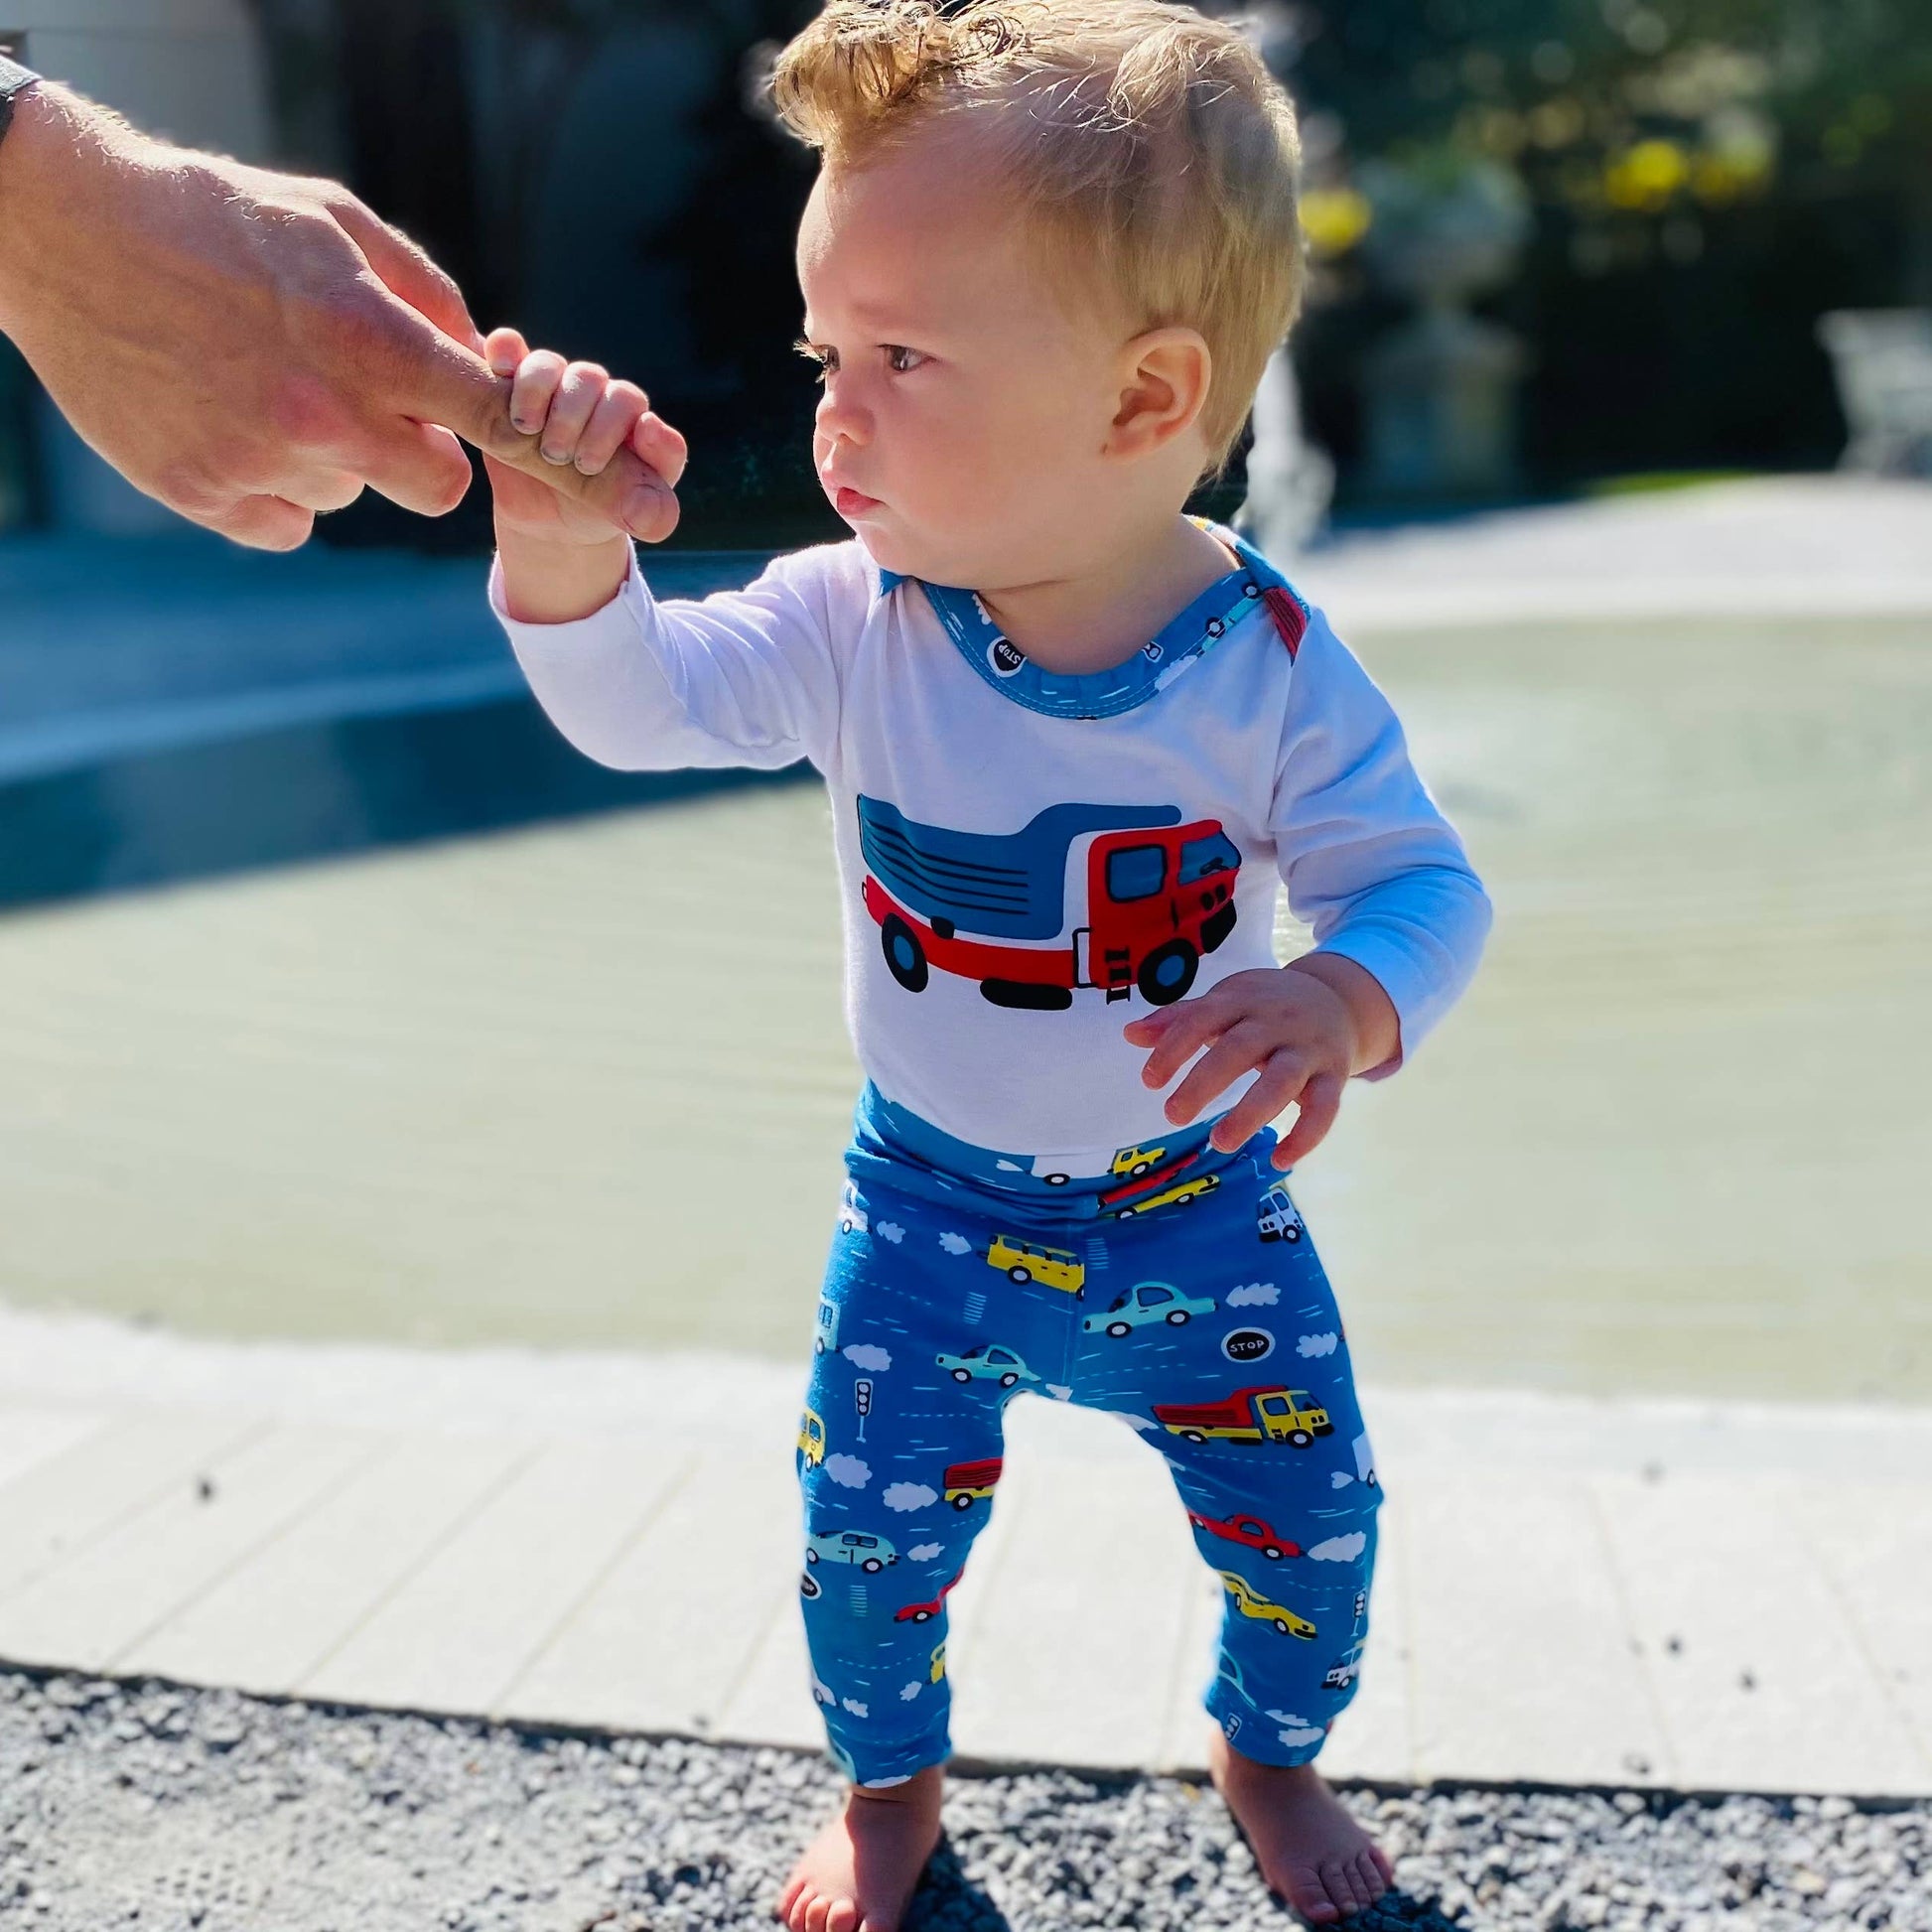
[1165, 386]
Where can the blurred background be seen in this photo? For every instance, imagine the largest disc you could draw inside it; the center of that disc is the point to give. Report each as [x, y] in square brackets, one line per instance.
[338, 996]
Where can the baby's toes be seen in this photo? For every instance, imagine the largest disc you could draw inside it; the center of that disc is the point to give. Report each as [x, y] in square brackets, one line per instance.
[1308, 1891]
[1338, 1882]
[1373, 1872]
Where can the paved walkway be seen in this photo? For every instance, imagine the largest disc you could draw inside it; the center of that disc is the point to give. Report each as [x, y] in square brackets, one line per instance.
[1690, 1595]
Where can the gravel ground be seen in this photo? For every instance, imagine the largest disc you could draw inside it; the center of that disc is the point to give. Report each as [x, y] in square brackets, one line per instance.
[144, 1802]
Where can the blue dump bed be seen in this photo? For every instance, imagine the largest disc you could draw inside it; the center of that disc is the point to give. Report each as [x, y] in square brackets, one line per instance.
[1007, 885]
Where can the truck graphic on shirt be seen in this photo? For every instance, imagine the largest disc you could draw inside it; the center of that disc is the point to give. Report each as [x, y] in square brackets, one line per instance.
[1152, 897]
[1252, 1414]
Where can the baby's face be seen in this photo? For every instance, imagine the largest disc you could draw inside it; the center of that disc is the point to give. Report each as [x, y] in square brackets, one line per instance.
[959, 395]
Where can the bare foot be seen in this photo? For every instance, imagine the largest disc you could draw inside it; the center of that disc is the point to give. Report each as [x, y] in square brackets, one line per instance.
[859, 1873]
[1309, 1849]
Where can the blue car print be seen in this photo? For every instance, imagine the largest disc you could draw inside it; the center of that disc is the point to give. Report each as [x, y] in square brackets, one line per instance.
[1146, 1303]
[870, 1553]
[987, 1365]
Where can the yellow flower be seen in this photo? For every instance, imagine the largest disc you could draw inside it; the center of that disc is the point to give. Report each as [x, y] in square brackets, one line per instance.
[1646, 176]
[1334, 219]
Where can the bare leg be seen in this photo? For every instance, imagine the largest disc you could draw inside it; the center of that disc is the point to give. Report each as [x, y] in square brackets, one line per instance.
[1309, 1849]
[859, 1873]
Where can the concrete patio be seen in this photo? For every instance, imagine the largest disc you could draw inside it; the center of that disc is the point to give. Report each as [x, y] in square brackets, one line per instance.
[1698, 1596]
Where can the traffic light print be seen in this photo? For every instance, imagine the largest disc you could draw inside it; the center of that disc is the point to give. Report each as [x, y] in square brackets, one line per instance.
[1213, 1334]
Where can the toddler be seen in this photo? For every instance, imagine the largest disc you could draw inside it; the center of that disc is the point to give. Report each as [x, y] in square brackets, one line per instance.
[1076, 740]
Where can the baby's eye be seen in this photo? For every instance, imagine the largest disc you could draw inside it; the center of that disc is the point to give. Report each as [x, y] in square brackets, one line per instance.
[896, 349]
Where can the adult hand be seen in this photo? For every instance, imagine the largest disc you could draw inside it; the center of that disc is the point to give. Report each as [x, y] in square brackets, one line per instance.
[251, 348]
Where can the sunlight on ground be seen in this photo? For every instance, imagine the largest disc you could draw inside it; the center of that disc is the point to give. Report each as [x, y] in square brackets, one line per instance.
[587, 1084]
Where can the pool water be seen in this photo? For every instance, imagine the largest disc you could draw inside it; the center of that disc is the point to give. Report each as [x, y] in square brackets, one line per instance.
[560, 1085]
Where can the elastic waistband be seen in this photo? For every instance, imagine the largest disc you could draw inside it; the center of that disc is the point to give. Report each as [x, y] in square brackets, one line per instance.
[897, 1148]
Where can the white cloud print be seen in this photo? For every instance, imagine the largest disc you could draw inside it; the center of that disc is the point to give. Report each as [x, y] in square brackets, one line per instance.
[889, 1231]
[849, 1471]
[923, 1552]
[910, 1495]
[1340, 1549]
[956, 1244]
[857, 1708]
[861, 1354]
[908, 1692]
[1254, 1295]
[1317, 1344]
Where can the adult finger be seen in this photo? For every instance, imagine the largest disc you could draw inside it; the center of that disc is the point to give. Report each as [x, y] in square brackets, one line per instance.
[1283, 1076]
[1238, 1050]
[441, 382]
[321, 492]
[1320, 1103]
[408, 271]
[263, 523]
[1195, 1022]
[420, 465]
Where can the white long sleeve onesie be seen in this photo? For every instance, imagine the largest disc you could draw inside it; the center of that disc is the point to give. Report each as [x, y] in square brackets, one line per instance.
[1026, 861]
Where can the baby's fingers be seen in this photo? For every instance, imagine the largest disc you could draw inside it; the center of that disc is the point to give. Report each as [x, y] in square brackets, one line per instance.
[1186, 1028]
[660, 446]
[536, 379]
[609, 426]
[503, 349]
[1320, 1103]
[1284, 1075]
[1238, 1050]
[578, 391]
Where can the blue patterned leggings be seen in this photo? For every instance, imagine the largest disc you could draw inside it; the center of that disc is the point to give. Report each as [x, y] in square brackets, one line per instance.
[1206, 1325]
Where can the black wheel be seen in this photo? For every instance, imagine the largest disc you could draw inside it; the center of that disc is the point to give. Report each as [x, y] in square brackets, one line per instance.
[871, 1566]
[962, 1502]
[811, 1556]
[1192, 1436]
[1281, 1625]
[808, 1585]
[1138, 1168]
[1119, 1329]
[1020, 1274]
[1190, 1197]
[1291, 1235]
[1217, 927]
[962, 1375]
[904, 956]
[1125, 1213]
[1177, 1318]
[1008, 1379]
[1166, 973]
[1025, 997]
[1272, 1550]
[1300, 1438]
[921, 1615]
[1056, 1179]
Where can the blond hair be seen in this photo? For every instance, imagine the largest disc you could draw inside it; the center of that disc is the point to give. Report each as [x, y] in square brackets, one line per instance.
[1148, 146]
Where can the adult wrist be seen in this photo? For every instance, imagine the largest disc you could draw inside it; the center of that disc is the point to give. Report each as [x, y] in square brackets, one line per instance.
[47, 127]
[15, 81]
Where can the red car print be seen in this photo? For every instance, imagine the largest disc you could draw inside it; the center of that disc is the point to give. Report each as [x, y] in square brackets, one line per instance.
[919, 1613]
[1249, 1531]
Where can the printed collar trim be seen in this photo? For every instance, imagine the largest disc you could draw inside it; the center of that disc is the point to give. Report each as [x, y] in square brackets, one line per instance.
[1179, 644]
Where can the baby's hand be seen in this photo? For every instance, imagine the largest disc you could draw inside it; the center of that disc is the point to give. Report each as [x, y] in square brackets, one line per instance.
[1298, 1030]
[582, 419]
